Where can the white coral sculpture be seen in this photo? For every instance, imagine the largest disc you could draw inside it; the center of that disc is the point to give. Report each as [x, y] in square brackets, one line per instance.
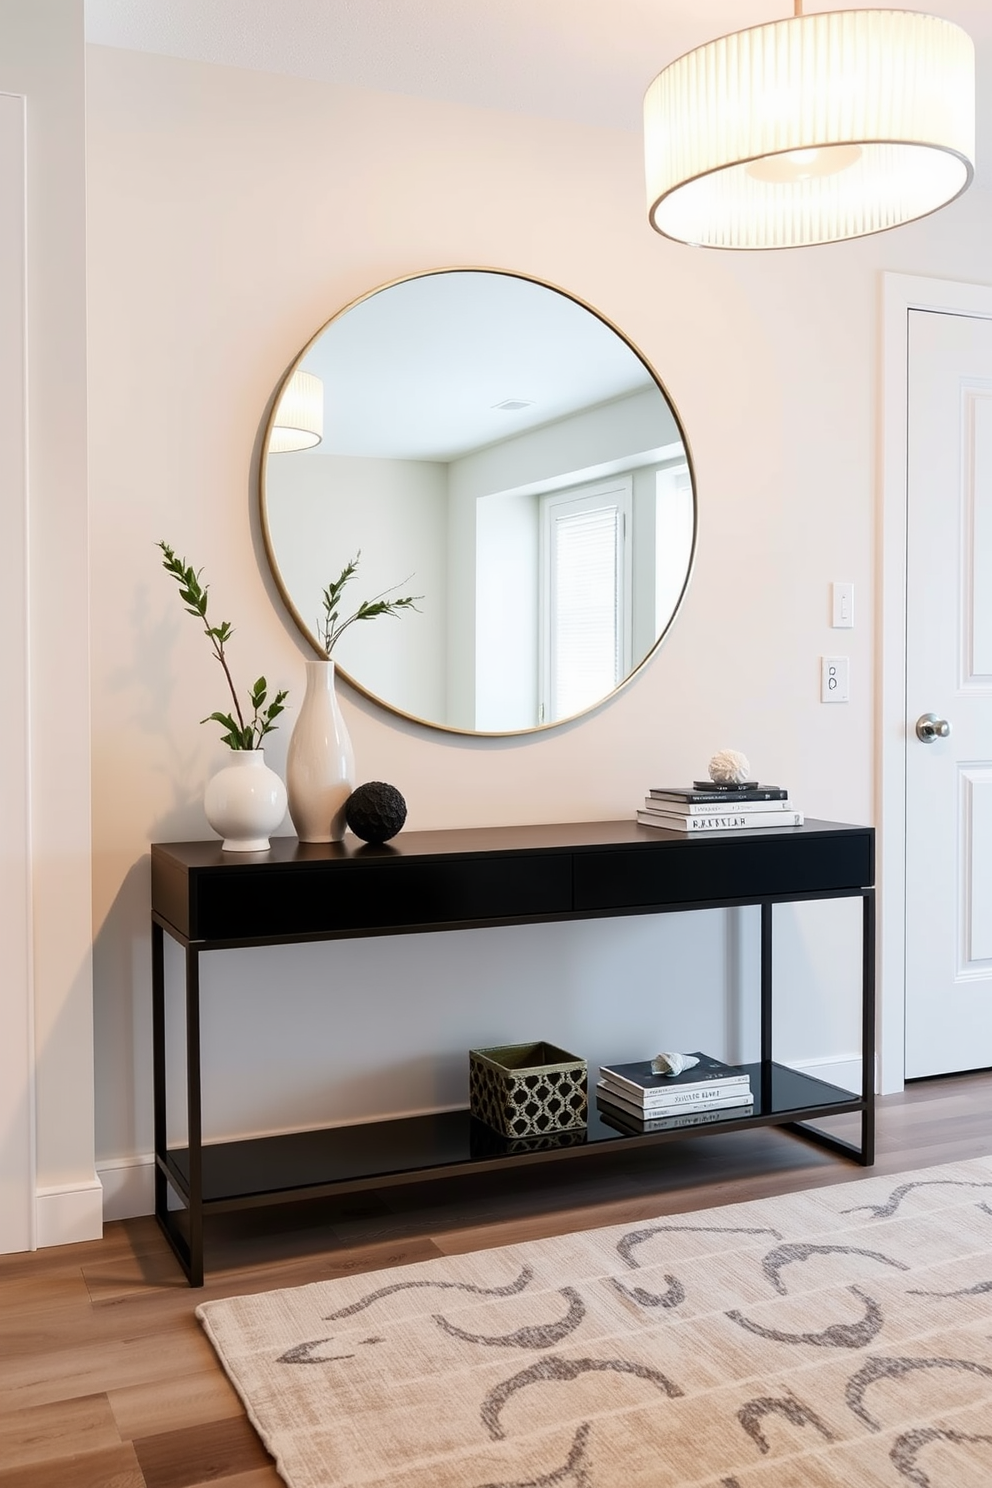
[729, 767]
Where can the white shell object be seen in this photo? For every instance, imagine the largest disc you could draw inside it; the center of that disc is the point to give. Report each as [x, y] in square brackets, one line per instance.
[730, 765]
[672, 1064]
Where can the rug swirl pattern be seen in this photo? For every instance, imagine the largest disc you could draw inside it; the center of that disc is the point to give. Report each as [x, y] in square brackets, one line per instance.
[835, 1338]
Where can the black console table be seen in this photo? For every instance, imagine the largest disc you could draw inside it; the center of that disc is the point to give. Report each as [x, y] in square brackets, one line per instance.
[209, 900]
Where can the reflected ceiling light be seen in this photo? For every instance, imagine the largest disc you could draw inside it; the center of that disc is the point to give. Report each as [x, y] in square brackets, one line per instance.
[299, 420]
[811, 130]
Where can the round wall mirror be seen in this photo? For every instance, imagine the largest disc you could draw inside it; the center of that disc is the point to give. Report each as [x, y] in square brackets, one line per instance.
[489, 444]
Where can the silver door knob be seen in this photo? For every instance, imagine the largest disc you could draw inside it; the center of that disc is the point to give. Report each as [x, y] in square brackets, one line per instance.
[930, 727]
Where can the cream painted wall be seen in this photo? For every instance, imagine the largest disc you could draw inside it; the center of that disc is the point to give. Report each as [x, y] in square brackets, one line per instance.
[17, 1158]
[41, 58]
[230, 213]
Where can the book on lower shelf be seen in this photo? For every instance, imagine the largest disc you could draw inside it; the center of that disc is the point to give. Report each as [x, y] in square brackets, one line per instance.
[707, 1076]
[734, 821]
[625, 1121]
[726, 1101]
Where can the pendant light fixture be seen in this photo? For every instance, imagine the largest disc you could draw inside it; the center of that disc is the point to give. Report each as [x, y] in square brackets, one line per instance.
[299, 420]
[811, 129]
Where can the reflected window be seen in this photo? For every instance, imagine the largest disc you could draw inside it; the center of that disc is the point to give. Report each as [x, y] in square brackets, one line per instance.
[674, 522]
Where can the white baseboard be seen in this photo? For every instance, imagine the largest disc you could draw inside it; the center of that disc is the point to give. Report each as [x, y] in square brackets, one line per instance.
[845, 1071]
[128, 1186]
[69, 1213]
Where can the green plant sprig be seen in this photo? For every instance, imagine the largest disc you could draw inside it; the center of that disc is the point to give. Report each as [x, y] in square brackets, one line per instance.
[239, 734]
[369, 609]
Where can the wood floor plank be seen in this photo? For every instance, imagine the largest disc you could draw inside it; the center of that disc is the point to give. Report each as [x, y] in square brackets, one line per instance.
[56, 1329]
[200, 1454]
[64, 1428]
[126, 1237]
[25, 1296]
[121, 1289]
[84, 1369]
[173, 1404]
[114, 1467]
[125, 1275]
[259, 1477]
[44, 1329]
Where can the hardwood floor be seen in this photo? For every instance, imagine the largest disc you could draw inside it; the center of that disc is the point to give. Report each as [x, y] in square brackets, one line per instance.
[106, 1380]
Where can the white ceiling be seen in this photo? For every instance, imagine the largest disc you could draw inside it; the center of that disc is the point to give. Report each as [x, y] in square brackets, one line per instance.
[418, 370]
[585, 60]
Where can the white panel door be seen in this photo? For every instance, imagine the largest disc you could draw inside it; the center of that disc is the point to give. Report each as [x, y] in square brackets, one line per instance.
[949, 674]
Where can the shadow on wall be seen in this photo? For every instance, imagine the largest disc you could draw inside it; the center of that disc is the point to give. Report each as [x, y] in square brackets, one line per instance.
[163, 643]
[64, 1143]
[122, 1020]
[122, 977]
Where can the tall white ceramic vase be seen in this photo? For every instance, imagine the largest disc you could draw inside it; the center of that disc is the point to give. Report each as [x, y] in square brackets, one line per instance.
[320, 762]
[245, 801]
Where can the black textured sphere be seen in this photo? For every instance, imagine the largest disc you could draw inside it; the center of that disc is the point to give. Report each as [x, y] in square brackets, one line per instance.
[375, 811]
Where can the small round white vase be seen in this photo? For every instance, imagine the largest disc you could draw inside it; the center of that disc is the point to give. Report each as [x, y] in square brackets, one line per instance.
[320, 762]
[245, 801]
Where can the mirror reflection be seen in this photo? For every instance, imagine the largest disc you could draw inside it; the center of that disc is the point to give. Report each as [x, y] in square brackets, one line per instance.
[489, 443]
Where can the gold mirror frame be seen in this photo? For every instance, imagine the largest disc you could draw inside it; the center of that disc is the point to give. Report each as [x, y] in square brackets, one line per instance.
[309, 635]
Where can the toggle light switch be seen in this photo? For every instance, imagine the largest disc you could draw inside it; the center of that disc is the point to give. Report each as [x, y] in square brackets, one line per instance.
[843, 606]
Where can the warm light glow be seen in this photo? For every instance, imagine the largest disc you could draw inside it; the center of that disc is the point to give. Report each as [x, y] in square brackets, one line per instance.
[299, 420]
[811, 129]
[804, 165]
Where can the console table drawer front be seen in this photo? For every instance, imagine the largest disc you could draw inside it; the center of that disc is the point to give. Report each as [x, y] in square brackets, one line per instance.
[740, 869]
[361, 898]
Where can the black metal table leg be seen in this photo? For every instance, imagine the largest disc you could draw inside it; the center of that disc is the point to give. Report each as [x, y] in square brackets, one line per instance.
[188, 1248]
[158, 1073]
[868, 1028]
[864, 1153]
[194, 1116]
[766, 1006]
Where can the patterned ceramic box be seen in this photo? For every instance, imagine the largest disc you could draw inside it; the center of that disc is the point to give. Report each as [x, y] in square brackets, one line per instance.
[528, 1089]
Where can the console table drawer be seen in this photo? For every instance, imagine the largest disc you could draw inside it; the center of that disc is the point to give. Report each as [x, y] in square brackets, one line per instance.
[350, 898]
[738, 869]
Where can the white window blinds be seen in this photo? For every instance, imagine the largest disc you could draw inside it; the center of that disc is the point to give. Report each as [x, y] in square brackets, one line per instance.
[586, 615]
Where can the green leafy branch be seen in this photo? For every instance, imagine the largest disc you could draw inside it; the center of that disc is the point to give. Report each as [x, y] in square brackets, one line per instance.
[332, 627]
[239, 734]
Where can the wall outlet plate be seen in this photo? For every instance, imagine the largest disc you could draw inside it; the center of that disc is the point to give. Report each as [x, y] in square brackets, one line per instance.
[835, 679]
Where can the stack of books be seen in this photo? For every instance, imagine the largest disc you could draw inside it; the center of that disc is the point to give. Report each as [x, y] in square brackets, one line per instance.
[633, 1098]
[706, 806]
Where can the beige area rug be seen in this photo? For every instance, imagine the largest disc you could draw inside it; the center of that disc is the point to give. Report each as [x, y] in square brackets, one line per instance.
[841, 1337]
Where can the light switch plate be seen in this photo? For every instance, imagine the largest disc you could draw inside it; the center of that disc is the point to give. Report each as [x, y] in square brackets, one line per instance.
[843, 606]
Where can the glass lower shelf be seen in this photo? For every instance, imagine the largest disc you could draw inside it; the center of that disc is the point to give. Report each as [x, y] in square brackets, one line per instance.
[268, 1170]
